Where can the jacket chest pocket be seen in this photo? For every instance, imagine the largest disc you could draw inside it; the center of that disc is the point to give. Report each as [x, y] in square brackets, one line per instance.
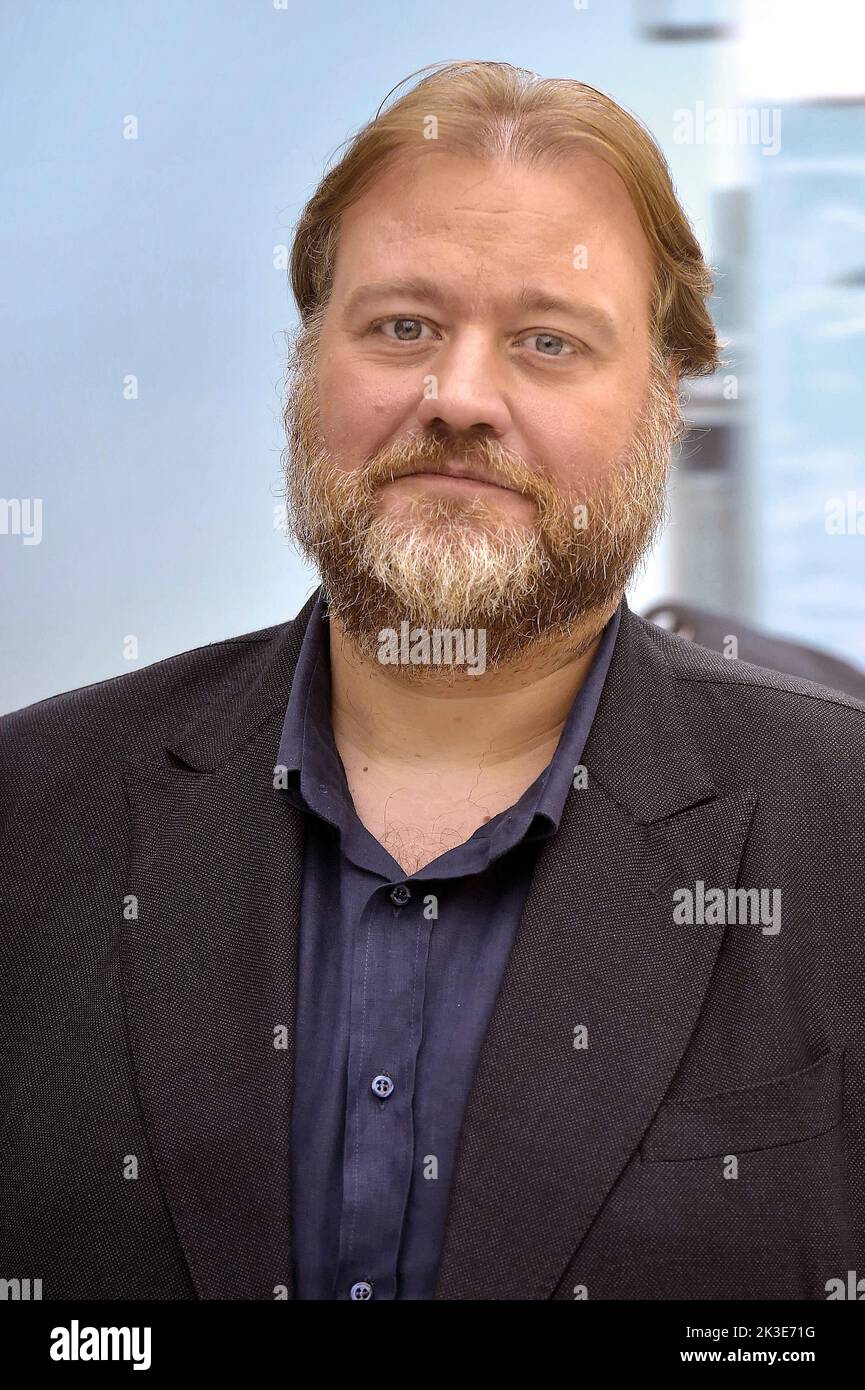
[786, 1110]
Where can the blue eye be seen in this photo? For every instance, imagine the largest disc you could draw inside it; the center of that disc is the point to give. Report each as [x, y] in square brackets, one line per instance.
[552, 344]
[406, 330]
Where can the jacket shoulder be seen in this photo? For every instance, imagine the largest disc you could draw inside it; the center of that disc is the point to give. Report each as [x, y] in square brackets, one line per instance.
[748, 705]
[693, 662]
[128, 714]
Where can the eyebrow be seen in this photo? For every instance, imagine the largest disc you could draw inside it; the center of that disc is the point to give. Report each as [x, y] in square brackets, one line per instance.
[529, 298]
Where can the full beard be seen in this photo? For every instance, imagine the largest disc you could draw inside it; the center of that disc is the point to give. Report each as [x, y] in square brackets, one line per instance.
[442, 562]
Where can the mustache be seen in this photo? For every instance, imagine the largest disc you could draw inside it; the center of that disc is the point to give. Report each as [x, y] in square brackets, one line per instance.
[431, 453]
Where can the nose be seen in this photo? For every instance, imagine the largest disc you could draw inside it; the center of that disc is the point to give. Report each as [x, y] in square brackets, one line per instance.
[464, 393]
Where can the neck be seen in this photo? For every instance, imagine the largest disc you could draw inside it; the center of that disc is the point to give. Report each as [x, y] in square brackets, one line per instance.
[510, 716]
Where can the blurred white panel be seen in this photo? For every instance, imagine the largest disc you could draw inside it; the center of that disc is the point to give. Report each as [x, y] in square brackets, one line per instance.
[794, 50]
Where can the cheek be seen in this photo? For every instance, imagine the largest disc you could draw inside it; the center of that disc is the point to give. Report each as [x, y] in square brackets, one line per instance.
[576, 446]
[358, 415]
[588, 431]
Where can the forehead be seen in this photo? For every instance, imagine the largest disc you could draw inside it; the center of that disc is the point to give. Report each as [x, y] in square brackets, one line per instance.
[482, 228]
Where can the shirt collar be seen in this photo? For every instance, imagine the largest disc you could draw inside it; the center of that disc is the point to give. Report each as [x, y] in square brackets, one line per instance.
[315, 778]
[557, 778]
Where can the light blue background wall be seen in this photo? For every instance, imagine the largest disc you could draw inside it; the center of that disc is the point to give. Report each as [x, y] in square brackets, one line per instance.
[154, 257]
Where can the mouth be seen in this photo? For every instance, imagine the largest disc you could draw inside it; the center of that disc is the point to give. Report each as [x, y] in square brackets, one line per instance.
[455, 477]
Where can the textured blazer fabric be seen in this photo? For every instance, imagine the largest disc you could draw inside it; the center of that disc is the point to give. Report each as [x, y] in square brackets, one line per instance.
[669, 1102]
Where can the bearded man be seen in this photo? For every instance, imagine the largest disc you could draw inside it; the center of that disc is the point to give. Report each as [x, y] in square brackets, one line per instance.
[415, 977]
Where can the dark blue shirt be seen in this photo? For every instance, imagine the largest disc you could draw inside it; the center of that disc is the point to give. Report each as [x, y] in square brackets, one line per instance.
[397, 978]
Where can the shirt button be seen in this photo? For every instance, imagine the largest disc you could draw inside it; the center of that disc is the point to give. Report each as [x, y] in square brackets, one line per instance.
[361, 1290]
[382, 1086]
[400, 895]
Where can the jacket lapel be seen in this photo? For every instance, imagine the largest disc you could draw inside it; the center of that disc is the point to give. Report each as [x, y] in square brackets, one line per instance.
[208, 968]
[549, 1127]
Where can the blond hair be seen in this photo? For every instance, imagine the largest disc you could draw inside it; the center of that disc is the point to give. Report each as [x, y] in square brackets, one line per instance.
[495, 110]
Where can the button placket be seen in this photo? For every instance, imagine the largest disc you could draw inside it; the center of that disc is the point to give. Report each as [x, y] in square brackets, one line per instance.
[377, 1160]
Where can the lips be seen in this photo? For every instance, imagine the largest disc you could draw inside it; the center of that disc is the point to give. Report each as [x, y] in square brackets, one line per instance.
[458, 471]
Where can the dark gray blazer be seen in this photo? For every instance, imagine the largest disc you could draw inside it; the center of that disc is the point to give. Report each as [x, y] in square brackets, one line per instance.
[707, 1142]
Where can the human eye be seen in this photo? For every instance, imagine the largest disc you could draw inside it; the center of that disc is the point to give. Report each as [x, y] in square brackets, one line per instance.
[549, 344]
[405, 329]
